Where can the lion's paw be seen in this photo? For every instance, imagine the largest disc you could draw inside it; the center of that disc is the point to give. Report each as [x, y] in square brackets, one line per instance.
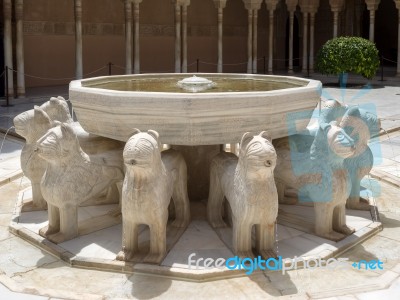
[180, 223]
[154, 258]
[46, 231]
[125, 255]
[268, 253]
[347, 230]
[219, 223]
[245, 254]
[333, 236]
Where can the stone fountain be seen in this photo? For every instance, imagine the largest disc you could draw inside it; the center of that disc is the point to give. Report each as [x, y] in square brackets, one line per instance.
[116, 159]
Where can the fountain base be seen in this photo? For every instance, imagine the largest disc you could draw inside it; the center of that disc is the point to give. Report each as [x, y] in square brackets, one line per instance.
[98, 249]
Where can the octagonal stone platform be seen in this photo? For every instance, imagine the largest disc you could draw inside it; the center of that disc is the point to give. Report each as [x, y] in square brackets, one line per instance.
[97, 249]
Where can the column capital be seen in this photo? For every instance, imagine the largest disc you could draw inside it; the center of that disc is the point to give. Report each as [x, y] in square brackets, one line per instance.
[336, 5]
[292, 4]
[309, 6]
[220, 3]
[181, 2]
[78, 9]
[271, 4]
[252, 4]
[19, 9]
[372, 4]
[7, 9]
[132, 1]
[397, 2]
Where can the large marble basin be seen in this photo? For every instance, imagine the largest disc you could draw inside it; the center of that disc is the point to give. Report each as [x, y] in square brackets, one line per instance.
[184, 118]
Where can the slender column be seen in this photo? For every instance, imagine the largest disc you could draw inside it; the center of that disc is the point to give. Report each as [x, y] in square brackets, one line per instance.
[271, 6]
[220, 5]
[312, 22]
[271, 40]
[255, 39]
[335, 23]
[177, 38]
[184, 38]
[305, 41]
[136, 36]
[128, 37]
[291, 6]
[8, 59]
[19, 12]
[372, 25]
[249, 41]
[291, 20]
[336, 7]
[220, 34]
[78, 39]
[372, 6]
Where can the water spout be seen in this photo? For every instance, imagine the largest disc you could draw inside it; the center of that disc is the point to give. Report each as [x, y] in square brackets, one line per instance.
[195, 84]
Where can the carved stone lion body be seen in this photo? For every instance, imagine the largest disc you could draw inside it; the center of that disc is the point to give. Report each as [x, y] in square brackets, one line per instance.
[151, 179]
[71, 177]
[361, 125]
[320, 177]
[34, 123]
[248, 184]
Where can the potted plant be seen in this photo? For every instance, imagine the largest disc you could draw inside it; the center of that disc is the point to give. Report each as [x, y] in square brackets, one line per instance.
[348, 54]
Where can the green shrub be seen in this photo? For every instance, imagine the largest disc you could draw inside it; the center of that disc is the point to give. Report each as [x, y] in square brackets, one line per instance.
[348, 54]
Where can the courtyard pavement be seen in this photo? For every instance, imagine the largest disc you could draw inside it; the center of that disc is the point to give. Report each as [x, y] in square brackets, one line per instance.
[27, 272]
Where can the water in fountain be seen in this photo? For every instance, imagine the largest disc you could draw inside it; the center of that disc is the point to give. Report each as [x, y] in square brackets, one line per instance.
[4, 138]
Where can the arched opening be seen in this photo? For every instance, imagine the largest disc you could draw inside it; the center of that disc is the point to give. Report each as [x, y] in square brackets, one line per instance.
[385, 32]
[296, 42]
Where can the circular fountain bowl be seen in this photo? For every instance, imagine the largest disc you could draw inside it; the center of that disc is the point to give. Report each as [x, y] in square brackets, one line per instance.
[113, 106]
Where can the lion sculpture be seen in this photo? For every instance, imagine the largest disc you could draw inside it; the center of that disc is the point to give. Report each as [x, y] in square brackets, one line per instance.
[358, 123]
[320, 177]
[33, 124]
[71, 178]
[248, 184]
[151, 179]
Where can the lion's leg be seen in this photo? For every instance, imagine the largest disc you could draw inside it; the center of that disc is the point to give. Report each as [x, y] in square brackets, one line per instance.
[339, 220]
[117, 211]
[37, 197]
[215, 200]
[265, 240]
[68, 224]
[158, 243]
[181, 199]
[323, 222]
[54, 221]
[354, 200]
[130, 240]
[242, 238]
[112, 194]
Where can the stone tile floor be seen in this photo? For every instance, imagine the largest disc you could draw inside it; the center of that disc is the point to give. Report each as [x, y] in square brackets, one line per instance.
[27, 272]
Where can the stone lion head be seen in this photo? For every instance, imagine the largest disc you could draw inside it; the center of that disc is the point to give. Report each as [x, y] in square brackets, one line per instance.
[142, 149]
[59, 142]
[32, 124]
[57, 109]
[257, 152]
[331, 143]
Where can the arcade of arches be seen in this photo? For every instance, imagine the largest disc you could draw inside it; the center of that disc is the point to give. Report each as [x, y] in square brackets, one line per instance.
[51, 42]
